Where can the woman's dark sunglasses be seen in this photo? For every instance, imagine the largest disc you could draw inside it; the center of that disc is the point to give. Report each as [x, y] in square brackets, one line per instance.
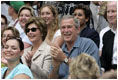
[32, 29]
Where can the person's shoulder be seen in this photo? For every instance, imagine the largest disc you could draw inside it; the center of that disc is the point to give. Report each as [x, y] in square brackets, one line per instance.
[22, 67]
[83, 39]
[45, 45]
[104, 30]
[86, 40]
[92, 30]
[3, 68]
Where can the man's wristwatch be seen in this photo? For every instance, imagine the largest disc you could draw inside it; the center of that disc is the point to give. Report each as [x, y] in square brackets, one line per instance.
[66, 60]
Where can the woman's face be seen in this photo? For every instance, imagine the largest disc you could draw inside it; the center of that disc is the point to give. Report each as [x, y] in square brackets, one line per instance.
[79, 14]
[47, 15]
[11, 51]
[7, 34]
[34, 33]
[24, 16]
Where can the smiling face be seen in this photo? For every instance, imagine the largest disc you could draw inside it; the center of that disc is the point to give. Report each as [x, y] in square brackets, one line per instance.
[35, 36]
[47, 15]
[24, 16]
[112, 13]
[11, 51]
[68, 30]
[79, 14]
[6, 35]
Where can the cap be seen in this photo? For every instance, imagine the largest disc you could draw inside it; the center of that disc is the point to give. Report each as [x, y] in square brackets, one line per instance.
[17, 4]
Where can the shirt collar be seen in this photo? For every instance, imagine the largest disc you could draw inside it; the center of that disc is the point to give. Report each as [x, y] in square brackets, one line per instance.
[76, 44]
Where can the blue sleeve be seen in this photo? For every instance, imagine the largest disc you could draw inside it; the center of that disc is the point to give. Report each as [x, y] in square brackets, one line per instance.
[25, 70]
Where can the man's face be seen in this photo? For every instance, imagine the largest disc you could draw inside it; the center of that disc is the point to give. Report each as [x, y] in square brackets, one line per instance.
[68, 30]
[112, 13]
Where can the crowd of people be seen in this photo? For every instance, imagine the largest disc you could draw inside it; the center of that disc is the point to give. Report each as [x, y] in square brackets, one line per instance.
[58, 39]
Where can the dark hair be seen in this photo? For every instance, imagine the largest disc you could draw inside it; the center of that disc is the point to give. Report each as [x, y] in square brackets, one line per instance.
[40, 24]
[4, 17]
[87, 11]
[20, 42]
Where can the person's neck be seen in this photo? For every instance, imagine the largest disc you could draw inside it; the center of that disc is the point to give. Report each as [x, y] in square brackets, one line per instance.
[70, 44]
[12, 64]
[113, 27]
[36, 45]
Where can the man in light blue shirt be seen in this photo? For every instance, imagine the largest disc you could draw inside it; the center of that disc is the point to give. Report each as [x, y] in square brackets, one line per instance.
[72, 47]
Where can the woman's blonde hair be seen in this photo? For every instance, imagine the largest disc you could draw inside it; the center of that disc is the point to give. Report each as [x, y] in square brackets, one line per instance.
[84, 67]
[28, 8]
[54, 25]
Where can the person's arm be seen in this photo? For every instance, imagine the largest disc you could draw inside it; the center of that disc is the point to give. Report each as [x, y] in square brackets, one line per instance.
[21, 76]
[55, 70]
[58, 41]
[58, 57]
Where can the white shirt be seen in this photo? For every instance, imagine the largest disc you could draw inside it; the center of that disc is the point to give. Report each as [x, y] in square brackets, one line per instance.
[58, 33]
[101, 36]
[22, 34]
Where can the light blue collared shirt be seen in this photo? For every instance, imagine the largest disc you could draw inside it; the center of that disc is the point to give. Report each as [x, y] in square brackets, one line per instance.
[81, 45]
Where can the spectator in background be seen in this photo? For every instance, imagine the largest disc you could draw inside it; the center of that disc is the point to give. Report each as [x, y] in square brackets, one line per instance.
[7, 33]
[84, 66]
[13, 9]
[4, 10]
[98, 11]
[12, 53]
[4, 22]
[37, 57]
[83, 13]
[50, 15]
[35, 5]
[73, 46]
[109, 39]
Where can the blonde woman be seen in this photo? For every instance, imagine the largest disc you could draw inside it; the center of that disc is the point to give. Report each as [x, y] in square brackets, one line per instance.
[50, 15]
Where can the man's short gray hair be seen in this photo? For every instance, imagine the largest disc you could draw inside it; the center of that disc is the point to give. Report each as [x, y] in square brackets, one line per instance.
[77, 21]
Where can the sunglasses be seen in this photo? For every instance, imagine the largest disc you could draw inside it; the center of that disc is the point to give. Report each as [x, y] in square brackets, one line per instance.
[32, 29]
